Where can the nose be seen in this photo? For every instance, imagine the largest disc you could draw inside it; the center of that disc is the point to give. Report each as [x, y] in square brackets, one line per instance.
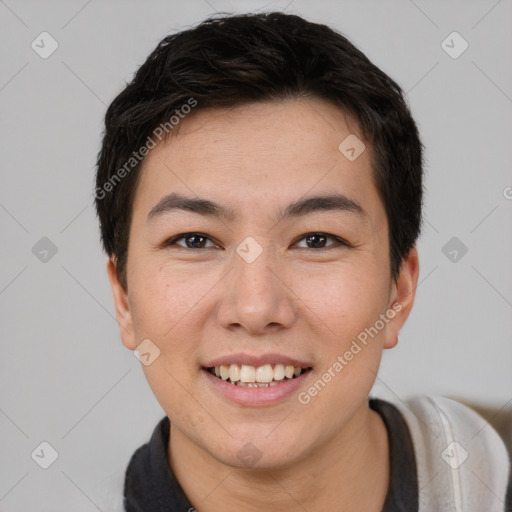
[256, 297]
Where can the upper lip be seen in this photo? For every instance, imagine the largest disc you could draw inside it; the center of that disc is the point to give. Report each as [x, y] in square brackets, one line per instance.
[255, 361]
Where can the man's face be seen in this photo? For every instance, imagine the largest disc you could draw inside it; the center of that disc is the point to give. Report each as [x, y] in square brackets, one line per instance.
[263, 284]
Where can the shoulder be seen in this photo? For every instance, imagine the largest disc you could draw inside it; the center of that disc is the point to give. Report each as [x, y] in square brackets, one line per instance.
[462, 462]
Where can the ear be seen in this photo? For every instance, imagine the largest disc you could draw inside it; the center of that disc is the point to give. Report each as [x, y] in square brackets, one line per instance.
[123, 313]
[402, 297]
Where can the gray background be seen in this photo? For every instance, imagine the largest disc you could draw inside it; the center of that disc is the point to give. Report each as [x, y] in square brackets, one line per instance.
[65, 376]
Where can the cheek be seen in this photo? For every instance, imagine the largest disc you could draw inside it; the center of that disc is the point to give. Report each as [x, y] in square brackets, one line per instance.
[165, 300]
[348, 303]
[167, 309]
[348, 306]
[345, 300]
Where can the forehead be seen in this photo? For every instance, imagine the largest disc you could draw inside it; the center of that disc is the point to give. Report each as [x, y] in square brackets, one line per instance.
[258, 153]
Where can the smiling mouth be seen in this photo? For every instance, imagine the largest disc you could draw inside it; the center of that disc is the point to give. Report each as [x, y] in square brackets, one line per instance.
[257, 377]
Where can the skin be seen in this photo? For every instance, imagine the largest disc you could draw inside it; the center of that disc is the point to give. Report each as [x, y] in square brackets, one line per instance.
[308, 303]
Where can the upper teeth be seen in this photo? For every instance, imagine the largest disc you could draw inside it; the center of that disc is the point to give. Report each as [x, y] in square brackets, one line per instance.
[265, 373]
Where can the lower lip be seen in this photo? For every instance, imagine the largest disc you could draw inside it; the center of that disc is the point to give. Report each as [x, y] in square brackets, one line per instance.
[256, 396]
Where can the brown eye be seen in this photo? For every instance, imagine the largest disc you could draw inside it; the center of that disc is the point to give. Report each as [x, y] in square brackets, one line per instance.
[319, 241]
[192, 241]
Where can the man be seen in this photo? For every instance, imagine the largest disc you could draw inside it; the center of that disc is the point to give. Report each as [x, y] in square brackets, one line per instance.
[259, 190]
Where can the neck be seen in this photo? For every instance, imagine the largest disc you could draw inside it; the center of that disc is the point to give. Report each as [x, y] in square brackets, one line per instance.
[350, 472]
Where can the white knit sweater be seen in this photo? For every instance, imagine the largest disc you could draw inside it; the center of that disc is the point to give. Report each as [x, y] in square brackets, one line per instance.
[462, 462]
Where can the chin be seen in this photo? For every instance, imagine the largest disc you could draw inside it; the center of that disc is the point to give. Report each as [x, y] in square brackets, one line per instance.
[260, 447]
[251, 458]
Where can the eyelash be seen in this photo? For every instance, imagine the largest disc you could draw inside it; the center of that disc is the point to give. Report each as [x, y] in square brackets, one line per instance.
[338, 241]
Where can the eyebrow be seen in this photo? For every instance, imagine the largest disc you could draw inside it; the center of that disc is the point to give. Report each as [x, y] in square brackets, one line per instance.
[304, 206]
